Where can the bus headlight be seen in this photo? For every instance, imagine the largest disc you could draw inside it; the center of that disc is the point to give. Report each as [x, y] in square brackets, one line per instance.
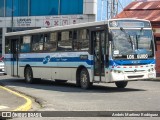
[151, 70]
[114, 71]
[117, 71]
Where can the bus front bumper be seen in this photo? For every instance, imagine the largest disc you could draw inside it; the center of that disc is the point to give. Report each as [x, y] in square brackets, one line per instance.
[132, 76]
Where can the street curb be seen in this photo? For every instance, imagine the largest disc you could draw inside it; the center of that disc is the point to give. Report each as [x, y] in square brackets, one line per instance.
[25, 107]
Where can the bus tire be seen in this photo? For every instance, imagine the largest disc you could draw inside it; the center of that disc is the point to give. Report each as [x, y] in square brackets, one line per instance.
[84, 79]
[28, 75]
[121, 84]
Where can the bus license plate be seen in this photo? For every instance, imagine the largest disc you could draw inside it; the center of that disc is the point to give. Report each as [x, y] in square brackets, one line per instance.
[151, 75]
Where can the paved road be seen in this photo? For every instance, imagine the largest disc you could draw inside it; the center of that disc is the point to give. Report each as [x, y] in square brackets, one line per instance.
[138, 96]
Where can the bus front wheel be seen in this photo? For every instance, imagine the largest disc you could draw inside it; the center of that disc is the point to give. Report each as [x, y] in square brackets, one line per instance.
[28, 75]
[121, 84]
[84, 79]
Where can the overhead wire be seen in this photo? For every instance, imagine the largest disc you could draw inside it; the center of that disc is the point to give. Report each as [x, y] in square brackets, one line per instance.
[122, 8]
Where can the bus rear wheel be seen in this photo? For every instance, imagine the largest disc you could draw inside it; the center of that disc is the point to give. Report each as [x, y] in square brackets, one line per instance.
[28, 75]
[84, 79]
[121, 84]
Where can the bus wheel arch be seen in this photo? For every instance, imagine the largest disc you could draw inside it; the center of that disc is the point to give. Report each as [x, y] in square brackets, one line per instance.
[28, 74]
[83, 78]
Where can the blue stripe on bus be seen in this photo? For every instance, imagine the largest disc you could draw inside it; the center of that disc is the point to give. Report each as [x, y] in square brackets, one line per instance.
[50, 64]
[131, 62]
[64, 59]
[89, 62]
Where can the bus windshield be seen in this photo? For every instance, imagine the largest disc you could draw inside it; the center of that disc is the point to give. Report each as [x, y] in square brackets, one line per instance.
[132, 44]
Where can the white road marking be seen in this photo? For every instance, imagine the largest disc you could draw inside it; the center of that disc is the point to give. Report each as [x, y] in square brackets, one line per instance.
[3, 107]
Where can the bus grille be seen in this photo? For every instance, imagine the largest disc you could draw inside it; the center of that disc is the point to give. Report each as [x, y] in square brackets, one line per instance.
[137, 76]
[134, 71]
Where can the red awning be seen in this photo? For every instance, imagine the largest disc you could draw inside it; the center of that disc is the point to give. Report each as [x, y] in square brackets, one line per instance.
[142, 10]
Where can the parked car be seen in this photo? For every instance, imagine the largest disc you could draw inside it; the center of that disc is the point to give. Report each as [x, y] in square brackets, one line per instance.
[1, 66]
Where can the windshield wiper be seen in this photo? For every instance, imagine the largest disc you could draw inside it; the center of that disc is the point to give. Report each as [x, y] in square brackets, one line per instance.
[129, 38]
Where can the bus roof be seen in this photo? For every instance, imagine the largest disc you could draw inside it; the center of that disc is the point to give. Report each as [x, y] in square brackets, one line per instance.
[129, 19]
[44, 30]
[66, 27]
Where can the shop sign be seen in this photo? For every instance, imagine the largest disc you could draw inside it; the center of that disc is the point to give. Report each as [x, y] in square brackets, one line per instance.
[24, 22]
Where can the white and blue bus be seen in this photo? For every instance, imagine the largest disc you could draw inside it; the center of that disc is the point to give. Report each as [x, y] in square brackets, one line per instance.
[118, 50]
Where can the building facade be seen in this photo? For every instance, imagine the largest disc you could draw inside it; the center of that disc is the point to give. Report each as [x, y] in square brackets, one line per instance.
[18, 15]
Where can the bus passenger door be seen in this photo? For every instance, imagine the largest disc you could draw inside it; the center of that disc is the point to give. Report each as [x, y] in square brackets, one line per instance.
[14, 60]
[98, 38]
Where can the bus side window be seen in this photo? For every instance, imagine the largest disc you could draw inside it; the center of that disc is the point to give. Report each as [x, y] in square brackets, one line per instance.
[84, 38]
[25, 44]
[75, 40]
[82, 41]
[37, 42]
[65, 41]
[50, 43]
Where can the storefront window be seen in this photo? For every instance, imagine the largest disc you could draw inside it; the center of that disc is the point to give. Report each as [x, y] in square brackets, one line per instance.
[20, 8]
[44, 7]
[1, 8]
[71, 7]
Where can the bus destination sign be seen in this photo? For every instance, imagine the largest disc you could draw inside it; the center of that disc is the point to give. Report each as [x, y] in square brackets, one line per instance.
[140, 56]
[129, 24]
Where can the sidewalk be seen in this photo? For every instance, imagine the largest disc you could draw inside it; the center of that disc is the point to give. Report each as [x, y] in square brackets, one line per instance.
[13, 101]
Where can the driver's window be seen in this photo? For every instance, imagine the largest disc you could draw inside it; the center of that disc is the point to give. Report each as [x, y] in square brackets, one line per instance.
[144, 42]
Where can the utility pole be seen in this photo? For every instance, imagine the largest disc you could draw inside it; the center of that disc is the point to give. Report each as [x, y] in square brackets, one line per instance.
[112, 8]
[12, 15]
[59, 7]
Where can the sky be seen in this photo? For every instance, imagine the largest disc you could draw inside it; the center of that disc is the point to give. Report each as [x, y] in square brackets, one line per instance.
[123, 3]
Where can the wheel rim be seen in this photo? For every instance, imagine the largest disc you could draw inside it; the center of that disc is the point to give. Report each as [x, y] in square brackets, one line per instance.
[83, 79]
[28, 75]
